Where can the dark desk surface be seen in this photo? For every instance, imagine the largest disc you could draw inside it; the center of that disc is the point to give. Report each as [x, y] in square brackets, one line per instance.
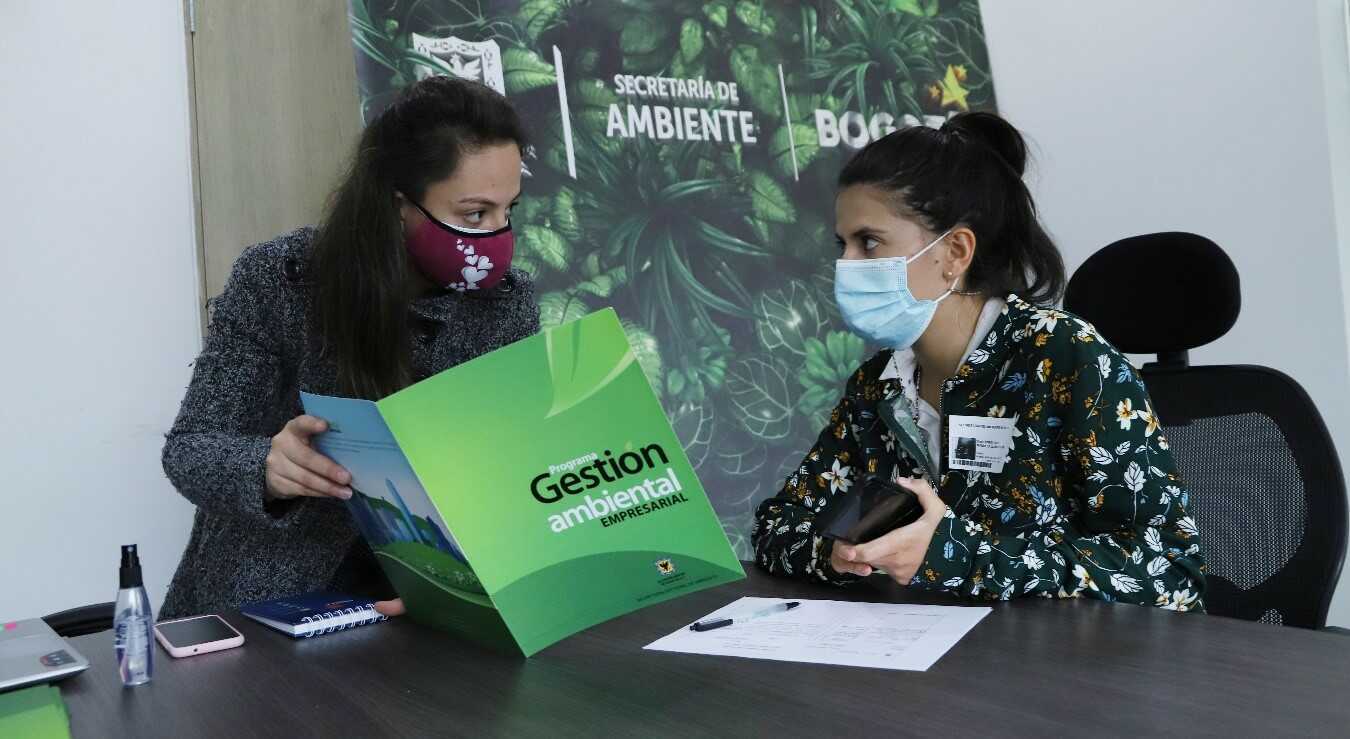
[1032, 666]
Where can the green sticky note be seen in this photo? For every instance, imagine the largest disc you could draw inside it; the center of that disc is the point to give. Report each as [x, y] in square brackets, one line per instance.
[38, 713]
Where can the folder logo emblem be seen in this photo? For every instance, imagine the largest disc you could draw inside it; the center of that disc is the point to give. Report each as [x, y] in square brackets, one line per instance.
[665, 567]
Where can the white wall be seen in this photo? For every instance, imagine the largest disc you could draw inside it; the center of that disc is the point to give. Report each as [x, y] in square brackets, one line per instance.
[1208, 117]
[1334, 19]
[98, 295]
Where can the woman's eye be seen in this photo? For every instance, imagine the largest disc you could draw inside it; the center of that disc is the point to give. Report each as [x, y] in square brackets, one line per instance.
[474, 217]
[870, 243]
[839, 243]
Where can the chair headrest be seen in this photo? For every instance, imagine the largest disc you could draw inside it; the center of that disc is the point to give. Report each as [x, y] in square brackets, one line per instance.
[1157, 293]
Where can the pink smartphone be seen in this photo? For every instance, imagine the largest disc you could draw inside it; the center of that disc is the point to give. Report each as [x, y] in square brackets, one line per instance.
[188, 637]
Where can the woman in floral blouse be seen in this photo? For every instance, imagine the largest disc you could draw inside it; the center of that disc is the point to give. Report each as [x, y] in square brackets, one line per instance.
[1069, 488]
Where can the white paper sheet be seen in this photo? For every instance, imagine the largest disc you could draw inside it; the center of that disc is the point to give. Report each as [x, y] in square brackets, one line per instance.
[888, 636]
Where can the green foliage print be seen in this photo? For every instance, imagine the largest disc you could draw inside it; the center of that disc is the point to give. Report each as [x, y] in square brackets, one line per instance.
[717, 254]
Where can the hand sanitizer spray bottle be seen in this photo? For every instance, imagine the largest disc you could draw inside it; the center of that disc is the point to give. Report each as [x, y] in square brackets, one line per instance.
[132, 622]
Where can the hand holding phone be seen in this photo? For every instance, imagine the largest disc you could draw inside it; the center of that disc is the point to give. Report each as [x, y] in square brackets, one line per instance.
[873, 507]
[188, 637]
[900, 552]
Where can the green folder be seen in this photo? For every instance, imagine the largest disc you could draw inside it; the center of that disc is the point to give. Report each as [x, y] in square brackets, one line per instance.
[34, 713]
[530, 493]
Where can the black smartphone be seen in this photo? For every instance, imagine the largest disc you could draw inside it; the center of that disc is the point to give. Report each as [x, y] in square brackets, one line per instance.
[871, 508]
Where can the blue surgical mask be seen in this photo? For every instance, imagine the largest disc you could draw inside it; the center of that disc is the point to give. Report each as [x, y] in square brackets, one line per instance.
[876, 303]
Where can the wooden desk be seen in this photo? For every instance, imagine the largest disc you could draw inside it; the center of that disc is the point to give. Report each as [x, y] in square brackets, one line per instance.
[1030, 667]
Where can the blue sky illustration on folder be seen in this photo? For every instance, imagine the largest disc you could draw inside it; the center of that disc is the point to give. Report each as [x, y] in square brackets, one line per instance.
[388, 502]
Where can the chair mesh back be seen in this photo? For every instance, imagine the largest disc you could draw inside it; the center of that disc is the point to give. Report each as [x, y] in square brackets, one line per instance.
[1265, 488]
[1249, 500]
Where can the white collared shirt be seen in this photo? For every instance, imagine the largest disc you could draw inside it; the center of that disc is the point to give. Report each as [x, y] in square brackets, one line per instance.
[904, 367]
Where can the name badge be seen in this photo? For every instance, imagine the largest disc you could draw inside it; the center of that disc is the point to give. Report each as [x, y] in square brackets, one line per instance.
[978, 443]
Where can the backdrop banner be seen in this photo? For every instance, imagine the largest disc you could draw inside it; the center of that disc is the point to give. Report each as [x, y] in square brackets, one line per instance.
[681, 170]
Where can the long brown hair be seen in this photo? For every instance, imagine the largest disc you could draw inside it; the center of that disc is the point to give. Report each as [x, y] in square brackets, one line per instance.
[362, 289]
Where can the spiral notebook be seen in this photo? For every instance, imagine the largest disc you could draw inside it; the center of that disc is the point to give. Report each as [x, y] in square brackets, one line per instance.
[313, 614]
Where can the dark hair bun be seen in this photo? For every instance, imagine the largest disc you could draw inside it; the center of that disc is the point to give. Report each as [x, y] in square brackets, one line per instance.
[969, 172]
[993, 132]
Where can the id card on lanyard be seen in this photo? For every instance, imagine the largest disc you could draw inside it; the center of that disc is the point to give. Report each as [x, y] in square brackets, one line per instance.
[978, 443]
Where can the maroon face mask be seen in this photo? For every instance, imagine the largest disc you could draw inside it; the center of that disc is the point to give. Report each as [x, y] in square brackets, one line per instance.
[460, 258]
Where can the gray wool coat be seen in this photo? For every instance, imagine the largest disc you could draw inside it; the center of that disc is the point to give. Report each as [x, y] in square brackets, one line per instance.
[245, 387]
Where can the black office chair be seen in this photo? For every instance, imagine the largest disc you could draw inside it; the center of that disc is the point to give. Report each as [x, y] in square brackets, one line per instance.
[1262, 471]
[83, 620]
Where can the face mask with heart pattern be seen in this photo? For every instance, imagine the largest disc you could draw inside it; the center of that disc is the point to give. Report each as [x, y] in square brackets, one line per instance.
[458, 258]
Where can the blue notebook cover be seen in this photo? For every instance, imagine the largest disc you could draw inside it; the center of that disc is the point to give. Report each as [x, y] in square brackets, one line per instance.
[312, 614]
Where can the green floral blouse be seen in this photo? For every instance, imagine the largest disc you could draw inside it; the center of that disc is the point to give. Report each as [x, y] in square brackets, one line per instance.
[1089, 502]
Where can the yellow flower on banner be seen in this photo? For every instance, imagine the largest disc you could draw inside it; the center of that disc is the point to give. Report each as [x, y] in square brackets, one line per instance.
[952, 91]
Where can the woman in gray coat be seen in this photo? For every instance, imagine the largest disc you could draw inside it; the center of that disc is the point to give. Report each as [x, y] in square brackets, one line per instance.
[408, 274]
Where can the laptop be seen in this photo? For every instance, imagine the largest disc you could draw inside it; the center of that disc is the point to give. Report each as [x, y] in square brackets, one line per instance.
[30, 652]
